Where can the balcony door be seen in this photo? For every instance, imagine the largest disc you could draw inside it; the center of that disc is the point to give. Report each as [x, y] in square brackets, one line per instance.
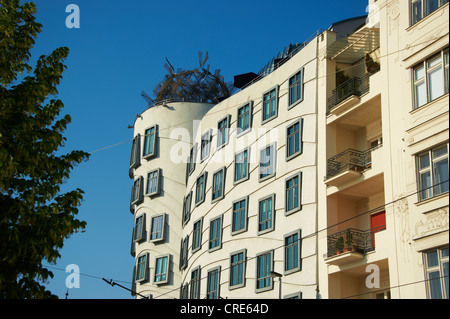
[377, 223]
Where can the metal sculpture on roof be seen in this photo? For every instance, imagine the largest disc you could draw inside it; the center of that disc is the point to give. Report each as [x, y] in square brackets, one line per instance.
[197, 85]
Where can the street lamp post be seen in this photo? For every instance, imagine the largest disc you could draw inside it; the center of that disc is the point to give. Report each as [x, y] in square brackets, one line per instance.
[273, 275]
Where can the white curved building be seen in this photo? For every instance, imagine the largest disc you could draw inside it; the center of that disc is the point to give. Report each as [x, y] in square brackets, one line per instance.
[325, 176]
[243, 209]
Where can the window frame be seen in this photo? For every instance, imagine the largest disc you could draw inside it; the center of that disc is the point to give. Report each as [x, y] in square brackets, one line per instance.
[195, 294]
[298, 83]
[217, 231]
[273, 160]
[425, 80]
[186, 214]
[137, 238]
[138, 184]
[237, 264]
[158, 183]
[431, 170]
[220, 142]
[289, 271]
[222, 187]
[295, 295]
[165, 273]
[146, 267]
[197, 235]
[266, 276]
[275, 115]
[200, 191]
[184, 250]
[239, 130]
[245, 215]
[247, 176]
[423, 10]
[205, 145]
[163, 226]
[153, 143]
[135, 157]
[271, 219]
[441, 260]
[215, 272]
[300, 139]
[192, 159]
[287, 212]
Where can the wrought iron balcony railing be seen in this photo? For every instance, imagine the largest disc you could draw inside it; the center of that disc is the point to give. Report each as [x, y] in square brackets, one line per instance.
[351, 239]
[349, 159]
[353, 86]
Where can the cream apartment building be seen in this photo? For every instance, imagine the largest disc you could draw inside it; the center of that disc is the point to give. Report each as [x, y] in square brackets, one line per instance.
[383, 201]
[323, 177]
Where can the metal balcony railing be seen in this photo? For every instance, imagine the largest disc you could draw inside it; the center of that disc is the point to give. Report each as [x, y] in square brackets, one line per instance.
[353, 86]
[349, 159]
[351, 239]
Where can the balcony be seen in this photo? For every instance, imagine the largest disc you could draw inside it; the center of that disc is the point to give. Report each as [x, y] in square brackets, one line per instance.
[350, 245]
[350, 90]
[348, 165]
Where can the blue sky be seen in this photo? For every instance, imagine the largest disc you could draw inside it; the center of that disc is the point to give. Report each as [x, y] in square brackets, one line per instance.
[118, 51]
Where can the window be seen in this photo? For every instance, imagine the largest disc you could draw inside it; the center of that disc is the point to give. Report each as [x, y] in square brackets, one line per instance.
[296, 88]
[421, 8]
[205, 145]
[197, 235]
[430, 79]
[436, 272]
[218, 187]
[142, 268]
[191, 159]
[195, 284]
[293, 193]
[184, 252]
[292, 246]
[161, 270]
[237, 269]
[184, 291]
[244, 118]
[200, 189]
[213, 284]
[239, 216]
[153, 183]
[267, 162]
[294, 134]
[266, 216]
[223, 127]
[270, 105]
[215, 234]
[297, 295]
[135, 159]
[137, 191]
[157, 228]
[241, 166]
[187, 208]
[139, 228]
[446, 72]
[433, 172]
[264, 265]
[150, 141]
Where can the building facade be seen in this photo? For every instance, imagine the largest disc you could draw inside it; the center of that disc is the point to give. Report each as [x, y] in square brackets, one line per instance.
[384, 197]
[325, 176]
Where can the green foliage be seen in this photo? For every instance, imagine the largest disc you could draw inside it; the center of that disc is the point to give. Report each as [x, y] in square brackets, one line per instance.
[35, 217]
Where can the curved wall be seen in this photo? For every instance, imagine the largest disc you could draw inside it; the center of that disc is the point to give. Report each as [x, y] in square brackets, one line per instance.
[302, 280]
[175, 124]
